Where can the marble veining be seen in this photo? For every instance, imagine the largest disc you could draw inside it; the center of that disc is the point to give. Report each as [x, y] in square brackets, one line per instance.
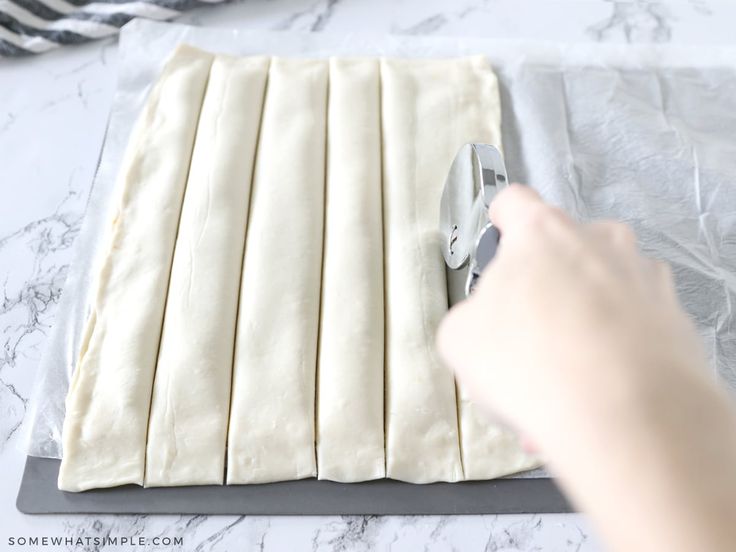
[38, 256]
[312, 18]
[53, 110]
[428, 25]
[638, 22]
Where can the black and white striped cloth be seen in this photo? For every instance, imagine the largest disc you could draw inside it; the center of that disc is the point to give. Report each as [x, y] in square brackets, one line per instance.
[35, 26]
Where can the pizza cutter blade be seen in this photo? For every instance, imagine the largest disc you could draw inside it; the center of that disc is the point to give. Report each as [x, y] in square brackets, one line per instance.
[469, 238]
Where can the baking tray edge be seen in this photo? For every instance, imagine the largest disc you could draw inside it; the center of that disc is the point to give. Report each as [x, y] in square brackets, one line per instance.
[38, 494]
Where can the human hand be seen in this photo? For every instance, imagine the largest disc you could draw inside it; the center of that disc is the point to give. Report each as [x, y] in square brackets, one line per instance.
[579, 342]
[570, 329]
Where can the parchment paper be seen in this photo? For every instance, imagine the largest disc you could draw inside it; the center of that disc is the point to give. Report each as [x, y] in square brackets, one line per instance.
[639, 133]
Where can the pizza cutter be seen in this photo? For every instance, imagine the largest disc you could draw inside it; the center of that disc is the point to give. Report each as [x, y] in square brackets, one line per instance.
[469, 238]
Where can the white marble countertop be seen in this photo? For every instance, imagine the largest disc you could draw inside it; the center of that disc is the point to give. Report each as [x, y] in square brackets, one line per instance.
[53, 111]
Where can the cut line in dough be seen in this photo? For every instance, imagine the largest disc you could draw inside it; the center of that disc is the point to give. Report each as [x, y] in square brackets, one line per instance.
[271, 433]
[350, 444]
[107, 406]
[422, 100]
[187, 428]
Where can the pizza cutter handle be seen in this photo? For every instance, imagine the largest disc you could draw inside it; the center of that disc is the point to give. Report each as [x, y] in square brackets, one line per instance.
[485, 250]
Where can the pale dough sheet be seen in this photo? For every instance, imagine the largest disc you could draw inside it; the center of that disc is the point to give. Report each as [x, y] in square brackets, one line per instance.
[191, 393]
[271, 435]
[488, 450]
[350, 443]
[107, 407]
[262, 357]
[423, 107]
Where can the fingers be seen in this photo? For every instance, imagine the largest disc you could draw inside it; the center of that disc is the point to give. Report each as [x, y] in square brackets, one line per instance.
[459, 336]
[618, 234]
[663, 279]
[622, 239]
[451, 336]
[519, 207]
[528, 444]
[460, 339]
[513, 205]
[617, 243]
[663, 273]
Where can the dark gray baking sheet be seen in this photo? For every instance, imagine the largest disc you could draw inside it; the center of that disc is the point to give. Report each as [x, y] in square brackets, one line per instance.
[38, 495]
